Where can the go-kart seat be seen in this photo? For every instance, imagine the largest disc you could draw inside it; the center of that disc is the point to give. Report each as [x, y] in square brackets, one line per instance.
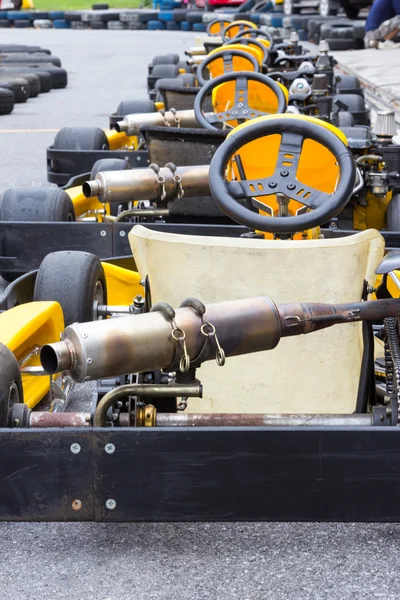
[318, 373]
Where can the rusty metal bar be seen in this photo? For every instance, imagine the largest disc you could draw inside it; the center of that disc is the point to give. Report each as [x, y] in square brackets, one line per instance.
[43, 419]
[260, 420]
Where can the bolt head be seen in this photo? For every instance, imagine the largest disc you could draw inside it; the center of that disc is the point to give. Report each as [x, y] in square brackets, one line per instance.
[272, 184]
[76, 504]
[109, 448]
[103, 233]
[111, 504]
[291, 186]
[75, 448]
[284, 173]
[122, 233]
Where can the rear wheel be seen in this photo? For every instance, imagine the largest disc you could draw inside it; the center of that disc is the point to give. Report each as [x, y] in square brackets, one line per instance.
[75, 280]
[130, 107]
[77, 138]
[393, 214]
[10, 384]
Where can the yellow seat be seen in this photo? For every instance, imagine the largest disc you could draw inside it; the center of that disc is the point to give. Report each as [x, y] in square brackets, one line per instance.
[318, 373]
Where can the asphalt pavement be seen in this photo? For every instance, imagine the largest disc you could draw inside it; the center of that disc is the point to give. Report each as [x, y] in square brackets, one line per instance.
[81, 561]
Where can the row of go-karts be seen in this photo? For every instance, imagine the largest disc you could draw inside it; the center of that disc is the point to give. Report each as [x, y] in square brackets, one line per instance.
[246, 201]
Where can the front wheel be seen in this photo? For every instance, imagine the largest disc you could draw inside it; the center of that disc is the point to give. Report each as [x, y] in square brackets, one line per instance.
[10, 384]
[75, 280]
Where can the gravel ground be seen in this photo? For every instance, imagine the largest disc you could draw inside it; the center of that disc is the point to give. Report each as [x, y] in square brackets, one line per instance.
[163, 561]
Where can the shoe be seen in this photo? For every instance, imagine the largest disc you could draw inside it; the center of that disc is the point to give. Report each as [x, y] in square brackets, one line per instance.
[388, 45]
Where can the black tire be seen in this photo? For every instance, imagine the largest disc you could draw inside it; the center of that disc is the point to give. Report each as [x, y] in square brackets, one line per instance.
[100, 6]
[164, 71]
[179, 15]
[130, 107]
[36, 204]
[10, 384]
[30, 59]
[72, 15]
[46, 84]
[182, 64]
[165, 59]
[32, 80]
[77, 138]
[18, 85]
[188, 79]
[5, 24]
[336, 44]
[337, 32]
[73, 279]
[22, 24]
[6, 101]
[314, 24]
[194, 16]
[59, 76]
[111, 164]
[393, 214]
[98, 25]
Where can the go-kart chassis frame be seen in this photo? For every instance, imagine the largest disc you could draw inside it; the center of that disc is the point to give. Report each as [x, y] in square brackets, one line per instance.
[204, 474]
[20, 252]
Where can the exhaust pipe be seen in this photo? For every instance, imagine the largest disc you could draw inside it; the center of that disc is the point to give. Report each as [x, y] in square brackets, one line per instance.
[131, 124]
[146, 184]
[144, 342]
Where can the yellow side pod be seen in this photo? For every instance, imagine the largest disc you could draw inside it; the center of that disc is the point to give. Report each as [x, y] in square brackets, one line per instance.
[23, 330]
[122, 285]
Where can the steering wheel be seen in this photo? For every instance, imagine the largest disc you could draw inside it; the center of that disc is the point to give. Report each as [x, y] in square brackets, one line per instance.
[227, 57]
[240, 109]
[234, 197]
[254, 34]
[241, 25]
[222, 22]
[251, 42]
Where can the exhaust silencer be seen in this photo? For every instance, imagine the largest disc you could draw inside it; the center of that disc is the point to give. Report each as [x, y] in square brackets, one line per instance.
[145, 184]
[131, 124]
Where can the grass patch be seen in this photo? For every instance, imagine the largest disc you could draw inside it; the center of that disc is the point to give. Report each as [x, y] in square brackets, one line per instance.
[49, 5]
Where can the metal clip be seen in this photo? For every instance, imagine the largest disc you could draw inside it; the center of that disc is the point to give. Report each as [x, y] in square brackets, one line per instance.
[220, 354]
[178, 180]
[160, 180]
[176, 118]
[180, 336]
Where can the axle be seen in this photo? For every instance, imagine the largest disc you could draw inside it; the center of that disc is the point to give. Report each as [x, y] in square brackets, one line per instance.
[145, 342]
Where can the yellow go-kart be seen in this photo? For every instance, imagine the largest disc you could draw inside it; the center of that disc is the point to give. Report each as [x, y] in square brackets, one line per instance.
[298, 432]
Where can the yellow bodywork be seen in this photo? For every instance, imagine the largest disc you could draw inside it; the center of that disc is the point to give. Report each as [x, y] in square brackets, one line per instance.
[27, 5]
[120, 140]
[317, 166]
[122, 285]
[28, 327]
[87, 207]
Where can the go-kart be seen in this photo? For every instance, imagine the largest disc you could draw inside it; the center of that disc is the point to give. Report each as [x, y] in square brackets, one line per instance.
[299, 433]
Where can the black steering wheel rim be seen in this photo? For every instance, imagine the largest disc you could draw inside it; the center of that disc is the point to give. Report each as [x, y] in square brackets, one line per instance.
[239, 24]
[256, 32]
[222, 54]
[326, 206]
[211, 23]
[206, 89]
[254, 42]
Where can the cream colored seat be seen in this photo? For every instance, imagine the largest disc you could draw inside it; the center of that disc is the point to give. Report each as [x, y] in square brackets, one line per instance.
[317, 373]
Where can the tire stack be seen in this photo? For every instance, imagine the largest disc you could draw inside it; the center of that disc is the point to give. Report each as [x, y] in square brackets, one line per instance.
[26, 72]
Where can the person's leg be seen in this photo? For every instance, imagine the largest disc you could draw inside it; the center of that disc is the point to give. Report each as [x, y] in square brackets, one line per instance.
[389, 29]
